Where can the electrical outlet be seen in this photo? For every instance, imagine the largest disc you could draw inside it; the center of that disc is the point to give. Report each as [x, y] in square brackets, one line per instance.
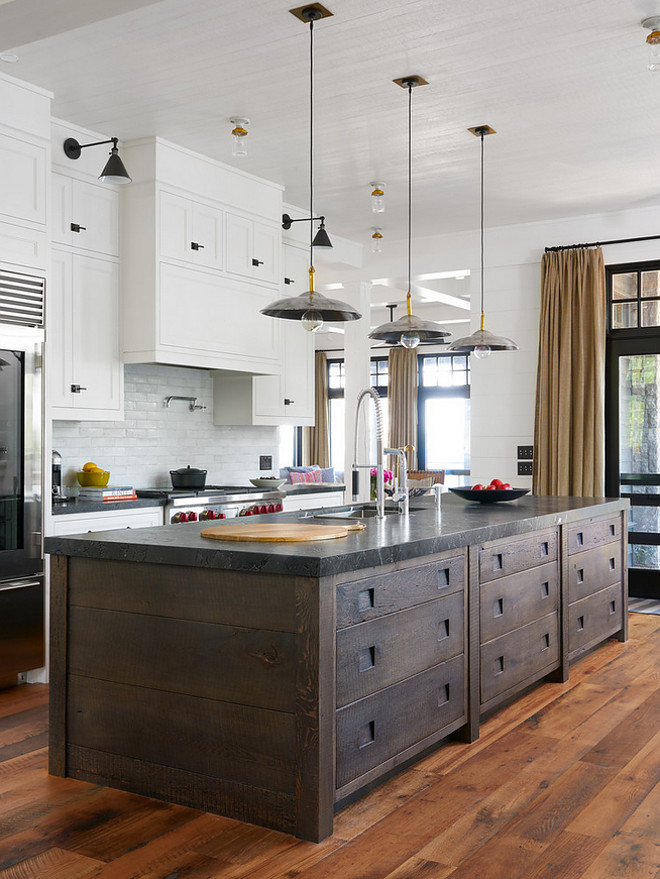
[525, 468]
[265, 462]
[525, 453]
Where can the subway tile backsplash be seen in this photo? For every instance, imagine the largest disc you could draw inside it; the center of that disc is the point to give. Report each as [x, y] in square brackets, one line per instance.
[153, 439]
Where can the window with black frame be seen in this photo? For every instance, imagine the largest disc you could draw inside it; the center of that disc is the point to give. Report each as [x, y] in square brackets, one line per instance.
[443, 430]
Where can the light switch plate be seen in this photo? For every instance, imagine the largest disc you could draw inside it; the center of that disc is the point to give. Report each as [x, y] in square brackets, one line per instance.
[525, 453]
[525, 468]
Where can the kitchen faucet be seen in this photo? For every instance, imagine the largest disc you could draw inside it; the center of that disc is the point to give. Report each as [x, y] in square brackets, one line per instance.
[401, 496]
[380, 485]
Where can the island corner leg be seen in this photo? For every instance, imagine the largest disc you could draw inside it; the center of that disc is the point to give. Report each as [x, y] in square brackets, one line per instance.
[59, 584]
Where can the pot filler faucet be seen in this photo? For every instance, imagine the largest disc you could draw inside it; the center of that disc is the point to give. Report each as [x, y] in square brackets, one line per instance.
[402, 492]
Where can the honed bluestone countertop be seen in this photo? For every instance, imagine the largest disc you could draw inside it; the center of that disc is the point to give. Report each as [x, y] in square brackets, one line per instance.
[428, 529]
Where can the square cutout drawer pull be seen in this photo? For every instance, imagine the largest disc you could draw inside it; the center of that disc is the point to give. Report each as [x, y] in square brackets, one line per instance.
[366, 599]
[443, 630]
[443, 695]
[546, 642]
[367, 734]
[498, 562]
[580, 575]
[580, 624]
[498, 609]
[545, 548]
[613, 530]
[612, 564]
[443, 578]
[612, 607]
[498, 666]
[366, 659]
[545, 589]
[579, 537]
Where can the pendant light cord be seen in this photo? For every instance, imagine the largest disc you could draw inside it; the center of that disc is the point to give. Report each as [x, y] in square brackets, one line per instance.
[409, 296]
[482, 230]
[311, 138]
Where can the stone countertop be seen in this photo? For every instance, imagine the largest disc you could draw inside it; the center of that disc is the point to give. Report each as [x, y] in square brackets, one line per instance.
[72, 506]
[428, 529]
[311, 487]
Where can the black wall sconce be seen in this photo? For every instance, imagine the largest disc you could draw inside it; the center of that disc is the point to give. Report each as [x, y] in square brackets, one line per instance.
[321, 239]
[114, 171]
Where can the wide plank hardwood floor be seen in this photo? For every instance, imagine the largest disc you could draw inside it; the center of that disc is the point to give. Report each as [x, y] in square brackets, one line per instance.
[563, 783]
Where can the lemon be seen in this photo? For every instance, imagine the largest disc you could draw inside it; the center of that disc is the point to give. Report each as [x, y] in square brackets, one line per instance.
[97, 470]
[89, 466]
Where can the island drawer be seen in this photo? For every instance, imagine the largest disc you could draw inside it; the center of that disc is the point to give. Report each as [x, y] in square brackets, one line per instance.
[510, 556]
[380, 652]
[377, 728]
[510, 602]
[592, 570]
[588, 536]
[594, 618]
[519, 656]
[375, 596]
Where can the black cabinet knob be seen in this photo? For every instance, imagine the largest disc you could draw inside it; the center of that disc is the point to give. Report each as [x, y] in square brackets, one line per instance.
[195, 246]
[76, 227]
[289, 281]
[76, 389]
[257, 262]
[288, 402]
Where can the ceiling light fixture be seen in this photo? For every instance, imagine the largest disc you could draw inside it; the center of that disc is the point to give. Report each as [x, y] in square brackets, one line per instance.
[482, 342]
[238, 135]
[410, 331]
[114, 171]
[377, 240]
[311, 308]
[377, 198]
[653, 42]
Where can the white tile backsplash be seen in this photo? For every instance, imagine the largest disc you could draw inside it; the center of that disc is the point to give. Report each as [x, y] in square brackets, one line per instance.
[154, 439]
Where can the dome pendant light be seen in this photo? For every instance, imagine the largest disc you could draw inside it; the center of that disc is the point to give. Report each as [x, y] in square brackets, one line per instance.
[482, 342]
[410, 330]
[311, 308]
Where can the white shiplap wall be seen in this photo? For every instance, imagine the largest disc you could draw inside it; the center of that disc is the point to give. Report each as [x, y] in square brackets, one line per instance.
[154, 439]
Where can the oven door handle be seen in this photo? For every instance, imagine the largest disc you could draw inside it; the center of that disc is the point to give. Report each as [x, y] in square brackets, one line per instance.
[18, 584]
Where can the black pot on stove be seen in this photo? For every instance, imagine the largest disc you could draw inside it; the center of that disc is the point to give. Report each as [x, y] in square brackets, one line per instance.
[188, 477]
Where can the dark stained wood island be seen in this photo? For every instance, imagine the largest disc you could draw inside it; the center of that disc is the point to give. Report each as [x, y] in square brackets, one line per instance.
[275, 682]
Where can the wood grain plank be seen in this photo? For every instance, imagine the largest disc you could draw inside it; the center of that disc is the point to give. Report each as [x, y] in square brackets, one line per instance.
[621, 744]
[626, 857]
[54, 864]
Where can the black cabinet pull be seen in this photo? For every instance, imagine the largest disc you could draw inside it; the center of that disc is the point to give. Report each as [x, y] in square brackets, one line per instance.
[289, 281]
[76, 389]
[195, 246]
[288, 402]
[76, 227]
[257, 262]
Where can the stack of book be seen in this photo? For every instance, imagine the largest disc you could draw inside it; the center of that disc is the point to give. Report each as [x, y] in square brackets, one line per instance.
[109, 494]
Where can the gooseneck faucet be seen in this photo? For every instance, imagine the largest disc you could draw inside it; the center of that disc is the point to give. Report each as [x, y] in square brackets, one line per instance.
[402, 495]
[355, 469]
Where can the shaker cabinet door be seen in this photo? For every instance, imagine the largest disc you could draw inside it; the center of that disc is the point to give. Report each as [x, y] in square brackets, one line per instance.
[85, 215]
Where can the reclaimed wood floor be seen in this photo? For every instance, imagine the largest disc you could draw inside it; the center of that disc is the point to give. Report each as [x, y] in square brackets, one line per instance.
[564, 783]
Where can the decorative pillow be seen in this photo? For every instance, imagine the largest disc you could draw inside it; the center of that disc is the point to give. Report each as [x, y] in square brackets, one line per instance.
[327, 474]
[309, 476]
[296, 477]
[286, 472]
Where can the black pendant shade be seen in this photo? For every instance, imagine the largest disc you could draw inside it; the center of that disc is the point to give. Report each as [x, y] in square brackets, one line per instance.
[321, 239]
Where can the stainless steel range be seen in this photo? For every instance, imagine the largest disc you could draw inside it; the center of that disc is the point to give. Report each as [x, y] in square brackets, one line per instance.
[214, 502]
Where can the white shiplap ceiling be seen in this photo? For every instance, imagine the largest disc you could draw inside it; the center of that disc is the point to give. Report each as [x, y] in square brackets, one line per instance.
[564, 83]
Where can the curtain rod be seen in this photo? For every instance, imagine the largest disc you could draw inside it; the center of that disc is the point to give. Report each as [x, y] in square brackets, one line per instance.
[599, 243]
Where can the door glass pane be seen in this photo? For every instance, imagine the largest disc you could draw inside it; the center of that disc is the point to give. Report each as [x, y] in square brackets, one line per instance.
[651, 313]
[624, 285]
[650, 284]
[11, 449]
[447, 438]
[624, 315]
[337, 410]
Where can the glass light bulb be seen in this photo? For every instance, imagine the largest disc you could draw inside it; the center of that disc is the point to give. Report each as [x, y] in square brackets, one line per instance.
[312, 320]
[238, 145]
[378, 200]
[376, 243]
[482, 351]
[653, 44]
[409, 340]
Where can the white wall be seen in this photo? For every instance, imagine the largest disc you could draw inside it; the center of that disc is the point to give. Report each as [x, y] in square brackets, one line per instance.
[154, 439]
[504, 385]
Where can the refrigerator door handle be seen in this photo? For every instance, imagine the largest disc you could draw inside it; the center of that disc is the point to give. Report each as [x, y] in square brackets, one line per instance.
[18, 584]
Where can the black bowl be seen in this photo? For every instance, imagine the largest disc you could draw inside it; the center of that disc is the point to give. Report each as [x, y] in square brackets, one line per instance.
[489, 496]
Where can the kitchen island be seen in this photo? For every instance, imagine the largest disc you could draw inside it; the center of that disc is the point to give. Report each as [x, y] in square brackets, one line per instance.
[275, 682]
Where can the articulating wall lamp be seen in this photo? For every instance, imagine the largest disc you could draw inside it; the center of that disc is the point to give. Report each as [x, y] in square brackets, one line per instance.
[321, 239]
[482, 342]
[409, 330]
[114, 171]
[311, 308]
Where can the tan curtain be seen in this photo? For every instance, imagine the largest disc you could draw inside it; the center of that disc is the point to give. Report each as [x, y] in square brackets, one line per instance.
[402, 401]
[569, 430]
[316, 440]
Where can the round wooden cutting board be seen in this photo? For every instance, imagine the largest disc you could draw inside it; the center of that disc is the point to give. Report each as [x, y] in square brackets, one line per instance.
[285, 533]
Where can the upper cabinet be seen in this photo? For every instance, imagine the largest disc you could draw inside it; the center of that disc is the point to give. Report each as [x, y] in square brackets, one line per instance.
[25, 163]
[85, 215]
[200, 259]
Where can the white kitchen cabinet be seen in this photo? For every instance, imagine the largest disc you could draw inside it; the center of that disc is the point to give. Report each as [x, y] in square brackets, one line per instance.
[312, 500]
[85, 215]
[85, 374]
[192, 307]
[288, 396]
[190, 231]
[253, 249]
[107, 520]
[23, 190]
